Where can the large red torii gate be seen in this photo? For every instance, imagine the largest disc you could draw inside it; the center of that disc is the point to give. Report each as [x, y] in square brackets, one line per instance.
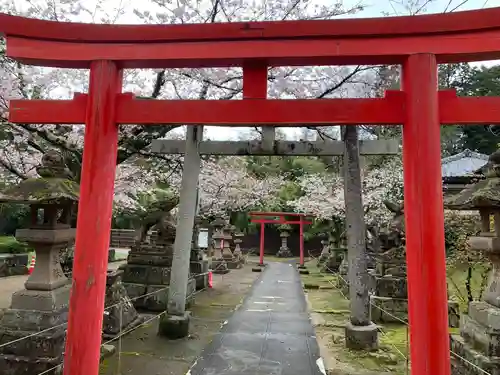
[418, 43]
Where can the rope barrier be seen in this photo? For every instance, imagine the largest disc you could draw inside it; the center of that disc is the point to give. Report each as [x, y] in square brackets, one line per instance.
[398, 319]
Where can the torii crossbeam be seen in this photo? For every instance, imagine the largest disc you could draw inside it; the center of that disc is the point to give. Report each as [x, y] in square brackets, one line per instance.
[418, 43]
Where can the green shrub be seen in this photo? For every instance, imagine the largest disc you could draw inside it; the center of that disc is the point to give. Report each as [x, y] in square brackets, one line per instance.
[9, 245]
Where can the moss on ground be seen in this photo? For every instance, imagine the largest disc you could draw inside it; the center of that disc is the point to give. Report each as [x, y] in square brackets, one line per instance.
[330, 313]
[144, 352]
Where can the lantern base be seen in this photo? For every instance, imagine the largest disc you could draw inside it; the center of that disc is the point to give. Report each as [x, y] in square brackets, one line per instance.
[219, 266]
[361, 337]
[199, 270]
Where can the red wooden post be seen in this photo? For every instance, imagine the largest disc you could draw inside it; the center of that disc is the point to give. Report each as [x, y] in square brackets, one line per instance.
[427, 294]
[301, 239]
[261, 259]
[83, 340]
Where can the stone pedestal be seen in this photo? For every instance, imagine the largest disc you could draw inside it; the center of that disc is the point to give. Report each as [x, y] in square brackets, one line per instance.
[479, 340]
[119, 312]
[325, 253]
[284, 251]
[42, 305]
[361, 337]
[232, 261]
[219, 265]
[343, 279]
[334, 260]
[198, 266]
[147, 273]
[389, 300]
[13, 264]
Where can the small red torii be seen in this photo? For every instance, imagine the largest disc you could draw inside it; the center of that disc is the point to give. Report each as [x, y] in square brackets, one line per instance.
[279, 218]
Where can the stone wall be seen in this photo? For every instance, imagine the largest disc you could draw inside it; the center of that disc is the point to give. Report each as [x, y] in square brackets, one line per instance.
[122, 237]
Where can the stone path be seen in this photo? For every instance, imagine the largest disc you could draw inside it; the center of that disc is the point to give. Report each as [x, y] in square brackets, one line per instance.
[9, 285]
[270, 334]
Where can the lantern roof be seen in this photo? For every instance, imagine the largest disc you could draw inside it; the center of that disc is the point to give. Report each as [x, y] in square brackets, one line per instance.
[481, 194]
[55, 184]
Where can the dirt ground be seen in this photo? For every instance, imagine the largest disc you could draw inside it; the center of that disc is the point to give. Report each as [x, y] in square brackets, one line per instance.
[143, 352]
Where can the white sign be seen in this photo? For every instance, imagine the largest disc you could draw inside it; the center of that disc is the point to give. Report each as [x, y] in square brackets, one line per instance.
[203, 239]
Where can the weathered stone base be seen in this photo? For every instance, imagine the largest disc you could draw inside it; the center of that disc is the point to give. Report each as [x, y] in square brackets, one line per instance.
[199, 270]
[361, 337]
[284, 253]
[37, 353]
[15, 365]
[174, 326]
[13, 264]
[332, 263]
[476, 360]
[219, 266]
[127, 329]
[395, 310]
[155, 296]
[234, 264]
[343, 285]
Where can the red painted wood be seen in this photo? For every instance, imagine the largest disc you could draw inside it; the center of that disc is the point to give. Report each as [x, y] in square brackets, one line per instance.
[383, 26]
[49, 111]
[301, 240]
[277, 214]
[425, 251]
[453, 110]
[259, 111]
[83, 340]
[254, 81]
[270, 221]
[477, 46]
[261, 247]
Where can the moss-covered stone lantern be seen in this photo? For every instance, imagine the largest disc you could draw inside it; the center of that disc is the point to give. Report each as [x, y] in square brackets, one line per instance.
[479, 340]
[44, 302]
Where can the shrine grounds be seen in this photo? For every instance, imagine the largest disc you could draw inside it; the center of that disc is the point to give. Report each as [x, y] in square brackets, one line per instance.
[142, 351]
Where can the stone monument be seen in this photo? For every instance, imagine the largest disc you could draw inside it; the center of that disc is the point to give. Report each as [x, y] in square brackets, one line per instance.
[325, 252]
[119, 312]
[284, 251]
[237, 247]
[388, 281]
[198, 263]
[232, 261]
[147, 272]
[41, 309]
[479, 339]
[219, 265]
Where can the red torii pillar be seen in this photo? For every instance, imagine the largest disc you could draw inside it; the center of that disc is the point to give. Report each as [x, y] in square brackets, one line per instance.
[424, 218]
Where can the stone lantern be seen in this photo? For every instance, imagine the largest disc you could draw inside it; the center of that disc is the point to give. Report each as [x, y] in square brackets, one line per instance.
[237, 248]
[284, 251]
[44, 302]
[325, 252]
[219, 265]
[479, 339]
[232, 261]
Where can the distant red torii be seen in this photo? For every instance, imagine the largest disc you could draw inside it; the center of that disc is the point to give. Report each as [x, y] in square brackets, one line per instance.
[261, 217]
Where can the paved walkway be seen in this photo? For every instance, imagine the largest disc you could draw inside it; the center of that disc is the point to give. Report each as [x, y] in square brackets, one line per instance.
[270, 334]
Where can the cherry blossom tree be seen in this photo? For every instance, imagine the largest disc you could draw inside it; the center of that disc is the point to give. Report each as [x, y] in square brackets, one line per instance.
[323, 193]
[23, 144]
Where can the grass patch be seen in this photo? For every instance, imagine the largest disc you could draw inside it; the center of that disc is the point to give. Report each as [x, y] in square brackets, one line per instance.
[457, 281]
[9, 245]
